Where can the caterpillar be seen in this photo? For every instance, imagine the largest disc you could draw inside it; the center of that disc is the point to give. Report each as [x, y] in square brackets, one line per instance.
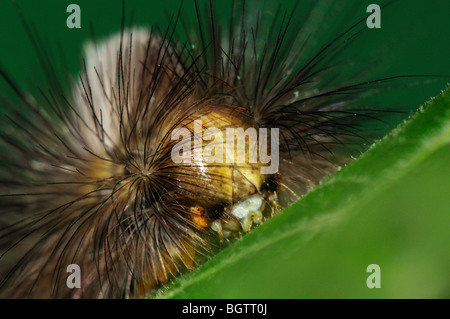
[112, 173]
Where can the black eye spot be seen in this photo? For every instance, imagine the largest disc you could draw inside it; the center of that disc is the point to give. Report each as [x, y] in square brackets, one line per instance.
[271, 184]
[216, 211]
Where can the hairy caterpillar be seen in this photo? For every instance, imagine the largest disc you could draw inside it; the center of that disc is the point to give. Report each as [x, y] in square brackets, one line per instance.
[88, 177]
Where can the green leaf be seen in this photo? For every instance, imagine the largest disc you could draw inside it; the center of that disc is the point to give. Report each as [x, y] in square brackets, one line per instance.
[390, 207]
